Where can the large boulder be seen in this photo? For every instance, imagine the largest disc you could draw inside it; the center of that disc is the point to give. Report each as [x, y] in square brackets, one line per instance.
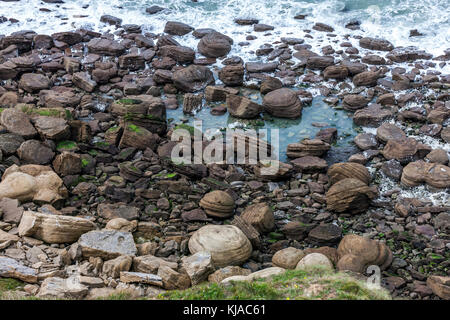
[315, 259]
[438, 156]
[138, 137]
[356, 253]
[180, 54]
[367, 78]
[440, 285]
[214, 45]
[107, 244]
[11, 268]
[350, 196]
[375, 44]
[354, 67]
[9, 143]
[232, 75]
[84, 81]
[354, 102]
[53, 228]
[372, 116]
[59, 288]
[283, 103]
[287, 258]
[433, 174]
[227, 244]
[366, 141]
[67, 163]
[35, 152]
[325, 234]
[52, 128]
[193, 78]
[335, 72]
[68, 37]
[260, 216]
[172, 279]
[198, 266]
[103, 71]
[32, 82]
[270, 84]
[56, 99]
[319, 62]
[32, 183]
[177, 28]
[105, 47]
[388, 131]
[307, 147]
[242, 107]
[218, 204]
[132, 61]
[142, 110]
[402, 150]
[272, 170]
[344, 170]
[17, 122]
[113, 267]
[111, 20]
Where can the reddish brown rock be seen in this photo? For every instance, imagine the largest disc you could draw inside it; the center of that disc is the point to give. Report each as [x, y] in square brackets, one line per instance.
[344, 170]
[433, 174]
[283, 103]
[350, 196]
[242, 107]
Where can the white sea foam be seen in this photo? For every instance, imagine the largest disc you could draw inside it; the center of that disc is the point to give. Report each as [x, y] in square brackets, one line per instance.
[420, 192]
[387, 19]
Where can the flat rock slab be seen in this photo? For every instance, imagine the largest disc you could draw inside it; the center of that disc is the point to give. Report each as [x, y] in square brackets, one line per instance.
[107, 244]
[53, 228]
[55, 287]
[261, 67]
[139, 277]
[10, 268]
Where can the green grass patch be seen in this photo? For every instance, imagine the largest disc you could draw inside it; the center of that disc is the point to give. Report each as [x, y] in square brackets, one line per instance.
[8, 286]
[187, 127]
[129, 101]
[66, 145]
[123, 295]
[84, 163]
[113, 129]
[134, 128]
[312, 284]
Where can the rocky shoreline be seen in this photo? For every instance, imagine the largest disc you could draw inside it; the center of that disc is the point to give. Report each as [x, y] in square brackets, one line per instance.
[92, 204]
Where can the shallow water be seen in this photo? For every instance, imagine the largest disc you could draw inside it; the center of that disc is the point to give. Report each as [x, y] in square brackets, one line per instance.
[314, 117]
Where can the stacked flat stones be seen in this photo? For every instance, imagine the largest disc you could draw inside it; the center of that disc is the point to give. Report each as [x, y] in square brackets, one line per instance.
[260, 216]
[218, 204]
[350, 192]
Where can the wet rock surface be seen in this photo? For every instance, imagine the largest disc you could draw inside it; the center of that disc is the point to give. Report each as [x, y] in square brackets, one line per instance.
[88, 183]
